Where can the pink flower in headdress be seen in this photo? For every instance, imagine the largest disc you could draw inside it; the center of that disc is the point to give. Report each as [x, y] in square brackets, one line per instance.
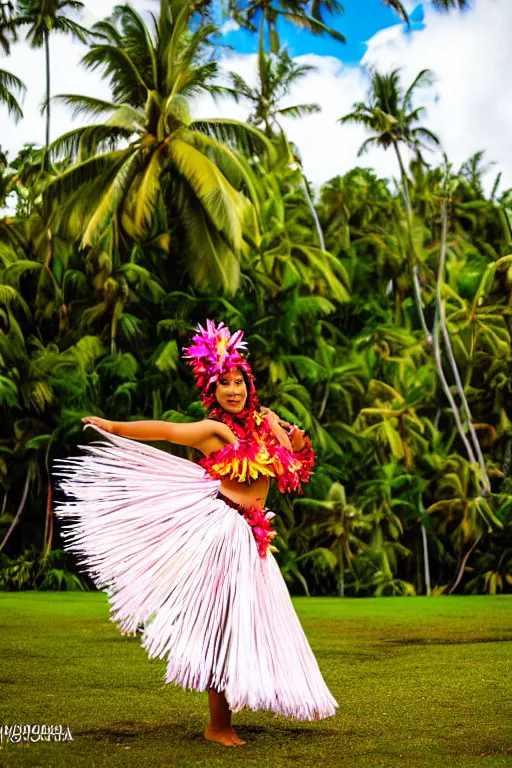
[215, 351]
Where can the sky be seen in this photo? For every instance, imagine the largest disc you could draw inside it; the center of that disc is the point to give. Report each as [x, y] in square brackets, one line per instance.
[469, 106]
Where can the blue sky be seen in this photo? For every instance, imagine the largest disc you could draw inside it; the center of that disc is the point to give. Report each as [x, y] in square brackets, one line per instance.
[359, 22]
[468, 107]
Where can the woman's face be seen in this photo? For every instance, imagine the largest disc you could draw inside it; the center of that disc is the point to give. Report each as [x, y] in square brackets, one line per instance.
[231, 391]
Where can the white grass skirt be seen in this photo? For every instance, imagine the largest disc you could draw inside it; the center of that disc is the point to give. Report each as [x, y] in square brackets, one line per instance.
[150, 531]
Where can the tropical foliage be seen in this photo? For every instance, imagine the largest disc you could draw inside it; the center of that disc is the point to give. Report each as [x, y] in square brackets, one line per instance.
[378, 317]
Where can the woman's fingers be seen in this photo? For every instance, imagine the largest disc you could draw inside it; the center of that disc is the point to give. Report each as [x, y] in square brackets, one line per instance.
[97, 421]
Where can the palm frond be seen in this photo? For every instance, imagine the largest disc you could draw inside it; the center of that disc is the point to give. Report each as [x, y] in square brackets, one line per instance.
[9, 86]
[112, 199]
[84, 105]
[299, 110]
[365, 146]
[83, 174]
[126, 82]
[397, 6]
[70, 27]
[8, 80]
[424, 78]
[312, 25]
[214, 265]
[238, 135]
[223, 205]
[82, 142]
[149, 189]
[241, 88]
[192, 82]
[233, 165]
[137, 41]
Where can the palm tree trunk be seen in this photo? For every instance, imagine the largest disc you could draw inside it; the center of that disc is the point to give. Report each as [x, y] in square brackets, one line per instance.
[48, 526]
[485, 484]
[451, 358]
[20, 508]
[324, 400]
[405, 185]
[319, 233]
[47, 57]
[463, 565]
[437, 357]
[341, 579]
[428, 587]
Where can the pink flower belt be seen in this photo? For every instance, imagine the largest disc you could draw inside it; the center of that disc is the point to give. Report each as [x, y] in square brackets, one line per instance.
[259, 520]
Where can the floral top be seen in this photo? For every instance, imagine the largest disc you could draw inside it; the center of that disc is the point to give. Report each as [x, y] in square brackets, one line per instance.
[258, 453]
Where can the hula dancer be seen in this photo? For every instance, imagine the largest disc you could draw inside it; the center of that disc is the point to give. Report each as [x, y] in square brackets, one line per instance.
[186, 549]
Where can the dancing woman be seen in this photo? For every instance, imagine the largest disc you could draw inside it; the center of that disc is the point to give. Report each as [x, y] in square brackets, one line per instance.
[185, 549]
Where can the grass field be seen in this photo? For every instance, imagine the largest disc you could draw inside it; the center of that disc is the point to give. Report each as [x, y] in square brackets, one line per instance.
[419, 682]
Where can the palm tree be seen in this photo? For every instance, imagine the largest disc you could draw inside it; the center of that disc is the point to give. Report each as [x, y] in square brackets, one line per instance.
[390, 116]
[465, 513]
[188, 169]
[306, 14]
[391, 119]
[43, 17]
[277, 73]
[10, 87]
[339, 523]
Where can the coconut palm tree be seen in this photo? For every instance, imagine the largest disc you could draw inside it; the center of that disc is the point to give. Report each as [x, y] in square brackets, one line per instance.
[391, 119]
[277, 73]
[11, 87]
[42, 18]
[306, 14]
[186, 169]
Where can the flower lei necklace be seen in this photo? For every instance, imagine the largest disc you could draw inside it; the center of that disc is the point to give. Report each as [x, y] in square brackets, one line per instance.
[257, 452]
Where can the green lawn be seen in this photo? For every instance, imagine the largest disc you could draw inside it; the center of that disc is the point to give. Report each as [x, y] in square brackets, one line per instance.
[420, 682]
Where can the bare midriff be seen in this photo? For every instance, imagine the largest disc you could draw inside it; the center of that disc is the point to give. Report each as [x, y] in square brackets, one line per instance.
[254, 494]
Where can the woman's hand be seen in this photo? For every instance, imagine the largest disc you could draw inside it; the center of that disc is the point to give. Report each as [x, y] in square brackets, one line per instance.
[273, 417]
[296, 436]
[97, 421]
[275, 424]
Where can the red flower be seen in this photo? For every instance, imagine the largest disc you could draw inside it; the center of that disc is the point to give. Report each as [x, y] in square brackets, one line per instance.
[259, 520]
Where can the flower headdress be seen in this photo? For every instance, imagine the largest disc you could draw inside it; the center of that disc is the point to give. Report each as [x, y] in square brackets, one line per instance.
[214, 353]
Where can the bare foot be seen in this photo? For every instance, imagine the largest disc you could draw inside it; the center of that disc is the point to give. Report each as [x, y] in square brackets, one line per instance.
[226, 736]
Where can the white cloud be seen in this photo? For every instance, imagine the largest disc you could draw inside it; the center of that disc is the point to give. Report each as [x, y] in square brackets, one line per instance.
[326, 147]
[469, 107]
[229, 26]
[67, 76]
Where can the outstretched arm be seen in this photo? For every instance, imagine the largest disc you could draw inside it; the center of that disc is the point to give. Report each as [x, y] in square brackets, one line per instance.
[191, 433]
